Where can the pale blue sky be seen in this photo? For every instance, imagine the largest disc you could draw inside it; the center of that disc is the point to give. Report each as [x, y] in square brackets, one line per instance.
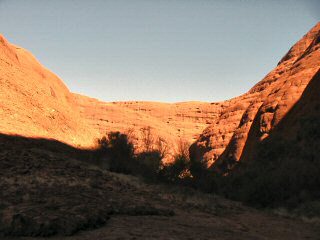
[158, 50]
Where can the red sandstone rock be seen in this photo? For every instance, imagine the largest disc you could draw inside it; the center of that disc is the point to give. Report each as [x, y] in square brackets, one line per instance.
[265, 104]
[34, 102]
[171, 122]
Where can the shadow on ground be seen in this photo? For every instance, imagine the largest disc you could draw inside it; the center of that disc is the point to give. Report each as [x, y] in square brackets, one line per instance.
[48, 188]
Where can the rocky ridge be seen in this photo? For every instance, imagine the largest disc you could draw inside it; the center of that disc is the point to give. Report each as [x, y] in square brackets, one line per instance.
[219, 130]
[265, 104]
[34, 102]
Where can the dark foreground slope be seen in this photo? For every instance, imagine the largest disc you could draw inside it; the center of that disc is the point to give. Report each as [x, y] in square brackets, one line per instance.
[45, 191]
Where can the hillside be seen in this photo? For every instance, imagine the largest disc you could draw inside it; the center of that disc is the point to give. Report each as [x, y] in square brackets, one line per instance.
[34, 102]
[49, 189]
[283, 168]
[222, 143]
[219, 130]
[172, 122]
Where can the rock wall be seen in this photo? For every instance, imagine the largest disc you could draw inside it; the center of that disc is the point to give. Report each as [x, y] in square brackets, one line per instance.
[282, 169]
[172, 122]
[222, 143]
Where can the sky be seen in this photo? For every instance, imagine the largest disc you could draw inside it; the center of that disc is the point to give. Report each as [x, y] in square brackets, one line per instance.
[158, 50]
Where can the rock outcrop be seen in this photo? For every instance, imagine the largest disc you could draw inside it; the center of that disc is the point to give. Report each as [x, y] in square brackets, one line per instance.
[34, 102]
[283, 169]
[262, 108]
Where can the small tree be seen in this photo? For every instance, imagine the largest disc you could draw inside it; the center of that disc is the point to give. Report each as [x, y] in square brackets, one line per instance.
[149, 164]
[178, 169]
[162, 147]
[147, 139]
[198, 168]
[118, 151]
[183, 148]
[173, 172]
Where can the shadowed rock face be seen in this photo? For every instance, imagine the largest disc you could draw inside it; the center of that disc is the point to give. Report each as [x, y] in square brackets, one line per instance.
[35, 102]
[284, 167]
[299, 128]
[265, 104]
[306, 109]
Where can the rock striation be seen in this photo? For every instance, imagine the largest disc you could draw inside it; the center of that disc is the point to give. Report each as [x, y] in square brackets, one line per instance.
[172, 122]
[282, 169]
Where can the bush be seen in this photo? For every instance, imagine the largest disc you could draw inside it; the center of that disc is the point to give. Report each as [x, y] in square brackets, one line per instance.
[147, 139]
[117, 152]
[174, 172]
[149, 164]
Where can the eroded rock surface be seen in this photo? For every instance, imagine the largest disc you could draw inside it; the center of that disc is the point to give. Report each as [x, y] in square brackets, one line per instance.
[171, 122]
[267, 103]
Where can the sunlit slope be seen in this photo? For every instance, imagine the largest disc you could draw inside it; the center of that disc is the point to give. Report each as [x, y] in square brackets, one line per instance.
[34, 102]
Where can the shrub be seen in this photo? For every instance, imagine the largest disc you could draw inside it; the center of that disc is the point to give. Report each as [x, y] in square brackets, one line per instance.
[174, 172]
[149, 164]
[147, 139]
[198, 168]
[117, 151]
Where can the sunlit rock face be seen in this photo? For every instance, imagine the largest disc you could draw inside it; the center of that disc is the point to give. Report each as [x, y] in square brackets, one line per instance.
[34, 102]
[171, 122]
[260, 109]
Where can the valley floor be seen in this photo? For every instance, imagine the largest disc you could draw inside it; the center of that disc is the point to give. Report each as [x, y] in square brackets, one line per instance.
[46, 192]
[225, 220]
